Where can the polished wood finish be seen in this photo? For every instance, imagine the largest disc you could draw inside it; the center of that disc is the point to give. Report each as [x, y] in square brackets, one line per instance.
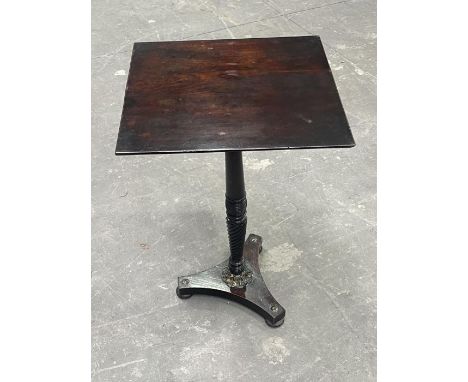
[255, 294]
[223, 95]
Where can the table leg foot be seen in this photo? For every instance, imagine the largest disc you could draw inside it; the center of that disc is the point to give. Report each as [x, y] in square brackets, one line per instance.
[182, 296]
[274, 324]
[248, 288]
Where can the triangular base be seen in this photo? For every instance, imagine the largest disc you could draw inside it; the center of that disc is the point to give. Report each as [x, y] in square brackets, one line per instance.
[248, 289]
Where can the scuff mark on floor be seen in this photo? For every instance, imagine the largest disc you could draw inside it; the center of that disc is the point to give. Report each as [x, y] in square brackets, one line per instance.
[257, 165]
[274, 349]
[280, 258]
[120, 365]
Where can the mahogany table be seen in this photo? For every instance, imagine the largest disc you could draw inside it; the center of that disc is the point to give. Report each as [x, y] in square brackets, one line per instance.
[232, 96]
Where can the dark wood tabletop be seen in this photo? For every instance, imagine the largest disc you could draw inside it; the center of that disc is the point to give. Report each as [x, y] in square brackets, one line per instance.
[222, 95]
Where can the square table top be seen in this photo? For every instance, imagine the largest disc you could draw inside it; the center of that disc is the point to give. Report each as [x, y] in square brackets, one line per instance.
[222, 95]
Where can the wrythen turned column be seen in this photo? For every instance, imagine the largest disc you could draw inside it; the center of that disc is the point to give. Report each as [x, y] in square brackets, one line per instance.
[236, 210]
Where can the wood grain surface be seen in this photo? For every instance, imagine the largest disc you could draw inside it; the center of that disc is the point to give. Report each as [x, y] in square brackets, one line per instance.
[221, 95]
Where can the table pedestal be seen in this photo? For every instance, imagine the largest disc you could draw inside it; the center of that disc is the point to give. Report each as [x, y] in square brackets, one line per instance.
[237, 278]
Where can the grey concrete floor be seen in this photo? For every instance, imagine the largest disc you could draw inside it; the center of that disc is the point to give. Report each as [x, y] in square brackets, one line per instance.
[157, 217]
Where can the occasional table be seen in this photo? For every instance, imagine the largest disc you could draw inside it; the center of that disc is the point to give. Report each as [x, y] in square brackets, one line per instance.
[232, 96]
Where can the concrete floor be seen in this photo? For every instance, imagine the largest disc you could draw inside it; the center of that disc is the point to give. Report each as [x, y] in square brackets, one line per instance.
[157, 217]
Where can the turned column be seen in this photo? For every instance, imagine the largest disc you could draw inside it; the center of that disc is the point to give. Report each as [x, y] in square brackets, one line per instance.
[236, 209]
